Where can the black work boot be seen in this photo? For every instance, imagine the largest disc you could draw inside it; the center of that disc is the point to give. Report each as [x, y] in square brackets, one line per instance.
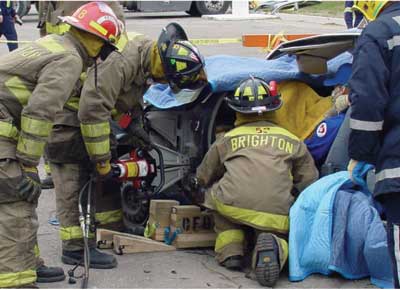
[233, 263]
[47, 183]
[267, 263]
[49, 274]
[98, 260]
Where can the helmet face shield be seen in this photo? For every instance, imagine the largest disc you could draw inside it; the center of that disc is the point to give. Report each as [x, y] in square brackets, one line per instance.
[189, 81]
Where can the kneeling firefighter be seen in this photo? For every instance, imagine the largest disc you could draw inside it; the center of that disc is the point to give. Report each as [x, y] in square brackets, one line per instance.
[75, 150]
[251, 176]
[33, 89]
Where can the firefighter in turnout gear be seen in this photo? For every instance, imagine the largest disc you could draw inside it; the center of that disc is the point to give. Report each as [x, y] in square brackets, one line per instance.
[50, 23]
[36, 81]
[251, 176]
[374, 119]
[83, 133]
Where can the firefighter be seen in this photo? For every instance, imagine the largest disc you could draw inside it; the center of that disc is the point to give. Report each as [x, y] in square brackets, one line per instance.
[251, 177]
[33, 89]
[49, 23]
[7, 23]
[121, 81]
[374, 119]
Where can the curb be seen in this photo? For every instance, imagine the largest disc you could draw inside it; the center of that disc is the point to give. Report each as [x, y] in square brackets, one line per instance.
[312, 19]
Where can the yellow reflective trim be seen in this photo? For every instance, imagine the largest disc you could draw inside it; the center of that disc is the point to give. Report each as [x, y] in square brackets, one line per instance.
[257, 219]
[247, 92]
[253, 130]
[109, 217]
[72, 233]
[8, 3]
[36, 127]
[73, 103]
[95, 130]
[50, 44]
[261, 90]
[285, 249]
[180, 66]
[36, 250]
[8, 130]
[237, 93]
[98, 148]
[83, 77]
[17, 279]
[183, 51]
[30, 147]
[18, 89]
[124, 38]
[228, 237]
[98, 27]
[57, 29]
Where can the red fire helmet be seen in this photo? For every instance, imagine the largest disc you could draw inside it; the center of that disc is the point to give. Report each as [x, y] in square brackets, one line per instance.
[96, 18]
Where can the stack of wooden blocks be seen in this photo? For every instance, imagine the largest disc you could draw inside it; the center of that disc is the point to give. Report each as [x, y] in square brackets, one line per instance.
[193, 227]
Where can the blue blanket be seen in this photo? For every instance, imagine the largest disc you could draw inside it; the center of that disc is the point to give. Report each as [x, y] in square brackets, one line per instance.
[333, 228]
[225, 72]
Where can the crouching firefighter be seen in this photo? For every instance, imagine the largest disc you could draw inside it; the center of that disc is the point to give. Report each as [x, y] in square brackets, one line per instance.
[122, 79]
[251, 176]
[33, 89]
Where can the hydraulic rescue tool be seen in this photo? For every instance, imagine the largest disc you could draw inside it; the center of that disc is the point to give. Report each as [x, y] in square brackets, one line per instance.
[136, 172]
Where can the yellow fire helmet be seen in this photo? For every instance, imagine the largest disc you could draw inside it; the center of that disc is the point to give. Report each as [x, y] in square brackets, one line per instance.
[370, 9]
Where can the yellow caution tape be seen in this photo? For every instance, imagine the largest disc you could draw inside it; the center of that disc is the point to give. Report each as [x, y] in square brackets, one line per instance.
[211, 41]
[16, 41]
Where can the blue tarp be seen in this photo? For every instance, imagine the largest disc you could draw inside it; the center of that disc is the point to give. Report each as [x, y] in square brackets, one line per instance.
[225, 72]
[333, 228]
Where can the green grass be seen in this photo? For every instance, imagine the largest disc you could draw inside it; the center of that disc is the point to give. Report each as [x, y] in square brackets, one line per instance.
[326, 8]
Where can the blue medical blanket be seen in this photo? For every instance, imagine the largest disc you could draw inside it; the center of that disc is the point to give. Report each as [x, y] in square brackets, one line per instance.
[225, 72]
[350, 240]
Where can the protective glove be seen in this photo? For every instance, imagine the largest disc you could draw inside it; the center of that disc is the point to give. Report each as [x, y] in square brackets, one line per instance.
[18, 20]
[29, 188]
[196, 189]
[104, 170]
[358, 171]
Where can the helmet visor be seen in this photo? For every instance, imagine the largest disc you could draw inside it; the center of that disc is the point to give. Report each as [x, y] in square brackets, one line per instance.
[190, 81]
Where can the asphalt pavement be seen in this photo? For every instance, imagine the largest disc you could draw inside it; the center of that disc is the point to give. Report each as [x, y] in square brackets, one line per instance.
[194, 268]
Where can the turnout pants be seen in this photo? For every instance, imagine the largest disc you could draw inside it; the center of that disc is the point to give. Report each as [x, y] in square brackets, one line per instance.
[19, 253]
[71, 169]
[233, 238]
[391, 205]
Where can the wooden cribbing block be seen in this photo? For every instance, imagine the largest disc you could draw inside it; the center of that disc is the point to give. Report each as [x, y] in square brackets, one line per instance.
[195, 240]
[104, 238]
[160, 216]
[192, 221]
[137, 244]
[186, 210]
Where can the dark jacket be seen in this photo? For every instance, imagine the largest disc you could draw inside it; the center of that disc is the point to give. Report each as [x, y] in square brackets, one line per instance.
[7, 9]
[375, 99]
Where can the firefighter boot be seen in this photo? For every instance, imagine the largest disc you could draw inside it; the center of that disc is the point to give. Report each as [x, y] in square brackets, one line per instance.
[49, 274]
[233, 263]
[267, 266]
[98, 260]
